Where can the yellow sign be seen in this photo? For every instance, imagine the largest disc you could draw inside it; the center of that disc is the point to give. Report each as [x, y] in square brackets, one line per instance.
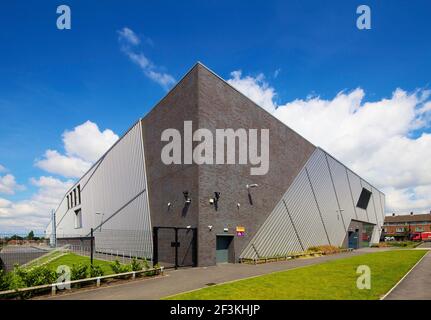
[240, 229]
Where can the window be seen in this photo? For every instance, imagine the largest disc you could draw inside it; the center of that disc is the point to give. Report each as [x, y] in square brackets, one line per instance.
[68, 203]
[78, 219]
[364, 199]
[399, 230]
[420, 229]
[79, 194]
[72, 204]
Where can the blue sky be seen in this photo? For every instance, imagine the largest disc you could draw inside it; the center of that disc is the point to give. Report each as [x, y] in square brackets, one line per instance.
[53, 80]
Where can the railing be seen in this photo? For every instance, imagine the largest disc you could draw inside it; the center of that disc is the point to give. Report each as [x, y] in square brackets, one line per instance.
[53, 286]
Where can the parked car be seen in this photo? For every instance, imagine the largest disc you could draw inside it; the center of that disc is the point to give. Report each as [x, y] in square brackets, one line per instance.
[426, 236]
[416, 236]
[389, 239]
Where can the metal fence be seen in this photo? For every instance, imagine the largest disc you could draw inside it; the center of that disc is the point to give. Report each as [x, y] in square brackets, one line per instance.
[170, 247]
[19, 250]
[101, 244]
[110, 244]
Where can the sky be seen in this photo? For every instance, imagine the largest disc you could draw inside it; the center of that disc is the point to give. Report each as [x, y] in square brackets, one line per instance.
[67, 95]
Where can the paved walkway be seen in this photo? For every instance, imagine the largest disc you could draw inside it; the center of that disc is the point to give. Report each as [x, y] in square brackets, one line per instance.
[181, 280]
[417, 284]
[425, 245]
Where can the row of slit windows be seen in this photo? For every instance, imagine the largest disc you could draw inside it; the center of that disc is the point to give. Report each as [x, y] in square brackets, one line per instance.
[74, 197]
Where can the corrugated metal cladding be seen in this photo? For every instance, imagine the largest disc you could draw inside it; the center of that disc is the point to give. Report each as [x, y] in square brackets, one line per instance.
[315, 210]
[114, 200]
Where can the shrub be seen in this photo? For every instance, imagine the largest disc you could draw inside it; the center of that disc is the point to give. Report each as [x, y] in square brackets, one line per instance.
[39, 276]
[96, 271]
[153, 272]
[135, 265]
[325, 249]
[117, 267]
[5, 280]
[79, 271]
[146, 264]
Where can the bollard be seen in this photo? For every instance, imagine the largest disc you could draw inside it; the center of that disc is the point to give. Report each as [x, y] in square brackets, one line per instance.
[133, 275]
[98, 282]
[53, 289]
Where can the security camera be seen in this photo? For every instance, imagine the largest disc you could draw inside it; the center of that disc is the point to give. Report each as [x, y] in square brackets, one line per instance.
[211, 200]
[187, 197]
[210, 227]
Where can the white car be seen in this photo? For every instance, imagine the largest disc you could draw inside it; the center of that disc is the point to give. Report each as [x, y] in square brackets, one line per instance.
[389, 239]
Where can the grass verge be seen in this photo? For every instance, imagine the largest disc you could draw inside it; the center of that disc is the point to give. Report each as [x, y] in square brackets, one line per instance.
[333, 280]
[71, 258]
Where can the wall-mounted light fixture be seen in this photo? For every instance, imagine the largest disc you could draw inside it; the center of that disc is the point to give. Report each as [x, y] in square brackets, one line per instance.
[253, 185]
[249, 186]
[238, 205]
[214, 201]
[169, 205]
[210, 228]
[186, 197]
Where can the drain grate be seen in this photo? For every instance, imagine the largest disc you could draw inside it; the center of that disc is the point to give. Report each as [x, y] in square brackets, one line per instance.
[210, 284]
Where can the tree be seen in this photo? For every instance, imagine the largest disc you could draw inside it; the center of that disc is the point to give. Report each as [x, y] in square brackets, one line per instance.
[30, 235]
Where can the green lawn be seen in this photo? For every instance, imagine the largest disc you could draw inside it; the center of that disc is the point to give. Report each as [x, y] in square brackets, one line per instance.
[330, 280]
[71, 258]
[43, 259]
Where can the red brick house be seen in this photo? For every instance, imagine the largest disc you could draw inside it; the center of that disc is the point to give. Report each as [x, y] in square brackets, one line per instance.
[402, 226]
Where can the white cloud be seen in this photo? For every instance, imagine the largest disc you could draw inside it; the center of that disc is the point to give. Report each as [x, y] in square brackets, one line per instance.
[33, 213]
[66, 166]
[257, 89]
[2, 169]
[129, 36]
[87, 142]
[8, 184]
[129, 42]
[84, 145]
[374, 138]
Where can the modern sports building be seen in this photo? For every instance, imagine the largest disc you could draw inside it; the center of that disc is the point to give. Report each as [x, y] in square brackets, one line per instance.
[200, 214]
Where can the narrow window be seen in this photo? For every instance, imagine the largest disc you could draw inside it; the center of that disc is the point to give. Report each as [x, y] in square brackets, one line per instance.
[68, 203]
[75, 197]
[79, 194]
[364, 199]
[71, 200]
[78, 219]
